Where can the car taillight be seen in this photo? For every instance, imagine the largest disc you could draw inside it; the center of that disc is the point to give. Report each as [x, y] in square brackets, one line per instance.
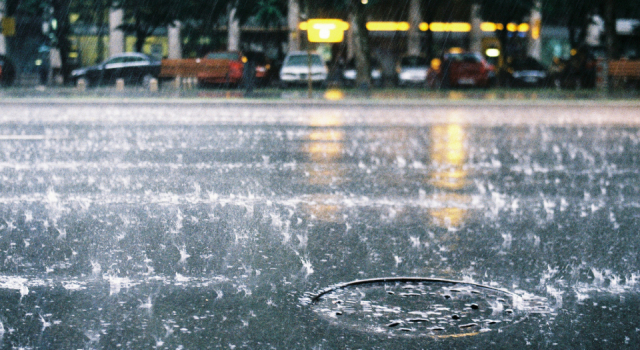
[236, 67]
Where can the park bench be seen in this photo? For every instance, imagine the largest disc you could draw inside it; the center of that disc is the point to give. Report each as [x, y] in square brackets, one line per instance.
[193, 67]
[624, 69]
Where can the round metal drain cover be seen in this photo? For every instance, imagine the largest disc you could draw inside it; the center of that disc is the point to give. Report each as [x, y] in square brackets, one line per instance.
[410, 306]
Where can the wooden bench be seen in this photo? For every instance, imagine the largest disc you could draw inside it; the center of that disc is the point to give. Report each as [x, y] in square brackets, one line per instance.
[624, 69]
[193, 67]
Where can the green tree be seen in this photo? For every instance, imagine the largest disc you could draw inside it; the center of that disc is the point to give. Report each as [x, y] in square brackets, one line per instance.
[96, 13]
[575, 15]
[142, 18]
[269, 13]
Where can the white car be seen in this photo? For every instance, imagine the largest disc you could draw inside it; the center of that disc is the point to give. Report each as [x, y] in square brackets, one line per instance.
[295, 69]
[412, 70]
[349, 74]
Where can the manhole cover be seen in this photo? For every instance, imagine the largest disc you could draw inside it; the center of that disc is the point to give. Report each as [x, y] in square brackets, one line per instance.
[431, 307]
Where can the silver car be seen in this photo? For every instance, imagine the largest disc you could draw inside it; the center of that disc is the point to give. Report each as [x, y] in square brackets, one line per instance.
[412, 70]
[295, 69]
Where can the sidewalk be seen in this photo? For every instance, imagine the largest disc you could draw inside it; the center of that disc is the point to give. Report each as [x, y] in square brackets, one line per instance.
[385, 95]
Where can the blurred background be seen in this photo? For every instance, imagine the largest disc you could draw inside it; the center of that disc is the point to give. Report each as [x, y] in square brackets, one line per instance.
[433, 44]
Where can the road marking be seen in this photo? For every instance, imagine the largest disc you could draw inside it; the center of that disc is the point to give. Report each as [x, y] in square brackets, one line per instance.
[22, 137]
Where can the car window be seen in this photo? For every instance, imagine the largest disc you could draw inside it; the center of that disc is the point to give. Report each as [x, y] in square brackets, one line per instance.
[116, 60]
[222, 56]
[132, 59]
[302, 60]
[471, 58]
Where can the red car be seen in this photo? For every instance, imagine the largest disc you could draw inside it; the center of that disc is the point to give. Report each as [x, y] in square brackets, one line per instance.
[224, 67]
[462, 69]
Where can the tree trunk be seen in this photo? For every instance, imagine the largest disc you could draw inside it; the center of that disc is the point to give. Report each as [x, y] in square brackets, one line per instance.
[610, 34]
[233, 42]
[141, 36]
[293, 20]
[503, 37]
[100, 16]
[572, 36]
[361, 44]
[415, 17]
[61, 14]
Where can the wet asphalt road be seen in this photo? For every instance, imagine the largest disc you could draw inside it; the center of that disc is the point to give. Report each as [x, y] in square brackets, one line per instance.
[192, 225]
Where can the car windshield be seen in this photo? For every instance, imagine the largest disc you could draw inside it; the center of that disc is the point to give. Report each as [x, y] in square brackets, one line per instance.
[412, 61]
[303, 60]
[222, 56]
[465, 57]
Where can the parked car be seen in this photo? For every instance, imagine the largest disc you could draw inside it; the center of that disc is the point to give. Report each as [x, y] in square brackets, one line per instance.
[231, 72]
[527, 72]
[133, 67]
[412, 70]
[463, 69]
[263, 74]
[7, 71]
[295, 69]
[349, 73]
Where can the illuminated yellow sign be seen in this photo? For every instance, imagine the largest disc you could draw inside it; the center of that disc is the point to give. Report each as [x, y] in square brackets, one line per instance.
[388, 26]
[329, 27]
[488, 27]
[450, 27]
[325, 30]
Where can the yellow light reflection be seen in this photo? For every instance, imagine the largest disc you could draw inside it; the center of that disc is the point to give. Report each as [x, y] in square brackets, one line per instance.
[424, 26]
[334, 95]
[512, 27]
[324, 207]
[449, 155]
[324, 146]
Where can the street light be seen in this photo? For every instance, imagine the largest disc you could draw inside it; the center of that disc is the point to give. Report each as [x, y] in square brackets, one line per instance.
[323, 31]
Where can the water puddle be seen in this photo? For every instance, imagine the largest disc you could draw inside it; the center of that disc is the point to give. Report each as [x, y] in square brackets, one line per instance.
[423, 307]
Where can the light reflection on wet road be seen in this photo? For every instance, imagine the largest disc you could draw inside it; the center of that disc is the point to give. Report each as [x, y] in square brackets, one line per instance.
[134, 226]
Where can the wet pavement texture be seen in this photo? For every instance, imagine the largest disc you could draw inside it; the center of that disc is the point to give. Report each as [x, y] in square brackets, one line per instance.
[195, 226]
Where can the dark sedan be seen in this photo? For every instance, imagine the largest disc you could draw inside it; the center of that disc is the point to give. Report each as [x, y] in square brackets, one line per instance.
[528, 72]
[7, 71]
[132, 67]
